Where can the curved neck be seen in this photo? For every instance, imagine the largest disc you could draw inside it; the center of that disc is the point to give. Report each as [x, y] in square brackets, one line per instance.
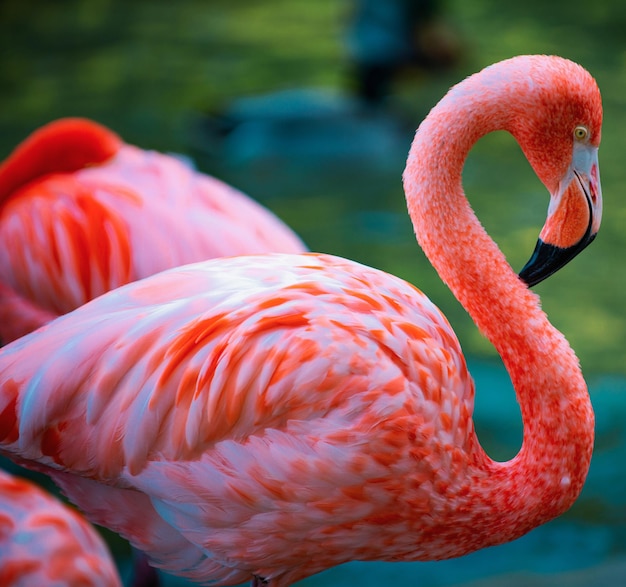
[547, 475]
[61, 146]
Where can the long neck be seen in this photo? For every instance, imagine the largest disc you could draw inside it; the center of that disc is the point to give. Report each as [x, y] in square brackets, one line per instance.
[61, 146]
[547, 475]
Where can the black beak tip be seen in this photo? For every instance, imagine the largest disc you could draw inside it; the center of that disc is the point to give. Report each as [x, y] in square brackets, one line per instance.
[548, 259]
[541, 264]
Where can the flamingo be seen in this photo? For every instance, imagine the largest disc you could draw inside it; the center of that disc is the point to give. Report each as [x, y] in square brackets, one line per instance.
[81, 213]
[263, 418]
[43, 542]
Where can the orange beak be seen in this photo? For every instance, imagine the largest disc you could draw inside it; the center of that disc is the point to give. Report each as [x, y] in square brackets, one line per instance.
[574, 217]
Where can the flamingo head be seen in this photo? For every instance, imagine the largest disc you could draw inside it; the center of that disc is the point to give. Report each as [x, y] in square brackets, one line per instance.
[61, 146]
[70, 144]
[558, 127]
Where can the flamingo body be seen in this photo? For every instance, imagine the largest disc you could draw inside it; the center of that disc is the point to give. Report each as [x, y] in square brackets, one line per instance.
[354, 342]
[72, 230]
[43, 542]
[266, 417]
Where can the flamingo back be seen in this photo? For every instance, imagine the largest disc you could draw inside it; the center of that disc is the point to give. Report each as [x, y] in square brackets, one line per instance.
[67, 238]
[241, 397]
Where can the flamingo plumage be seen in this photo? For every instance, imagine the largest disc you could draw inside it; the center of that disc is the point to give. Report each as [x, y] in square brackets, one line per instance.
[44, 542]
[267, 417]
[82, 212]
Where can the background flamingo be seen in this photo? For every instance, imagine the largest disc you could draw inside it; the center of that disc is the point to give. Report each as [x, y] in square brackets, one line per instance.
[81, 213]
[268, 417]
[43, 542]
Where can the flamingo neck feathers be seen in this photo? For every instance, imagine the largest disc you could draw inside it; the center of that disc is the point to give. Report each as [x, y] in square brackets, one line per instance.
[62, 146]
[548, 473]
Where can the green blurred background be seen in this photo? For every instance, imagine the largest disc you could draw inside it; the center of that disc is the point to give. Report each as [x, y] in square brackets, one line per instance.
[174, 76]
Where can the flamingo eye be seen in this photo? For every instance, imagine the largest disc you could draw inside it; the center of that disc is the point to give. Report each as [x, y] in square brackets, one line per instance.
[581, 133]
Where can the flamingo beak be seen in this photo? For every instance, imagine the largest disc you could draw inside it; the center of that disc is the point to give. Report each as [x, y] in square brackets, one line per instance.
[574, 217]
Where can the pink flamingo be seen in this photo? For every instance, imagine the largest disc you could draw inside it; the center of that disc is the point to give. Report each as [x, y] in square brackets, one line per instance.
[43, 542]
[264, 418]
[81, 213]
